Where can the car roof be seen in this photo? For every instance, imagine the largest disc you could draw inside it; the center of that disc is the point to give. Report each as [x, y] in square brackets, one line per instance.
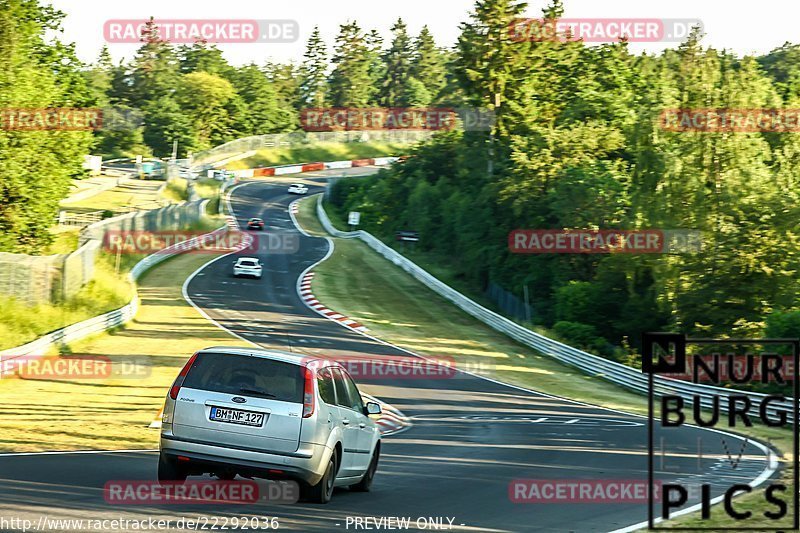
[255, 218]
[277, 355]
[248, 259]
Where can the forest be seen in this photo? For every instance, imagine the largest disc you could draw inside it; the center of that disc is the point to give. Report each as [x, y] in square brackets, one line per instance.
[578, 142]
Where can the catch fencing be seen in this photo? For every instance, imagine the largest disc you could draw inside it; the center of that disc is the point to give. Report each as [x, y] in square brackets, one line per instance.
[508, 302]
[112, 319]
[593, 365]
[35, 279]
[67, 218]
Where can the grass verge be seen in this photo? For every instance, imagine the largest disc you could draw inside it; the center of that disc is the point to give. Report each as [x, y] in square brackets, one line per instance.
[318, 152]
[75, 414]
[205, 188]
[442, 267]
[133, 194]
[108, 290]
[65, 240]
[399, 309]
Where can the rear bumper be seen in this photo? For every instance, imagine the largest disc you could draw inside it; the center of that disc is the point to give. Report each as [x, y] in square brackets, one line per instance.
[248, 273]
[307, 464]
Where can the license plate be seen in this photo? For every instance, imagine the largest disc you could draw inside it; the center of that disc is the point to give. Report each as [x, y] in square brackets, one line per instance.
[236, 416]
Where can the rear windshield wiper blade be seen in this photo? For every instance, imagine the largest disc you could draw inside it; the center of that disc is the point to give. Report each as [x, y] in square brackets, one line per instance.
[257, 392]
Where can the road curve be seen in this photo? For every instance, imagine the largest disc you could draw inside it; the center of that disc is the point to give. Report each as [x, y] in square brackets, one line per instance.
[471, 436]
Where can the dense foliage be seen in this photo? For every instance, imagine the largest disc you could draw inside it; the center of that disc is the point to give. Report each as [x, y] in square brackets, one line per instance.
[36, 166]
[168, 94]
[578, 145]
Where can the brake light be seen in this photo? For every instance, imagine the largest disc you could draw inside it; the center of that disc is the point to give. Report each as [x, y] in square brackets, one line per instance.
[176, 387]
[308, 393]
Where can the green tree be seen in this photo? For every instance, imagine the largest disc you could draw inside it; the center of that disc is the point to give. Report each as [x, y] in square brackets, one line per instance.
[377, 68]
[285, 80]
[37, 71]
[205, 98]
[202, 57]
[155, 69]
[488, 57]
[265, 112]
[398, 60]
[429, 65]
[313, 72]
[350, 82]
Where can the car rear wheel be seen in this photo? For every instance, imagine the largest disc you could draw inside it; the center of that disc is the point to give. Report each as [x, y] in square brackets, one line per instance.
[169, 471]
[322, 491]
[366, 481]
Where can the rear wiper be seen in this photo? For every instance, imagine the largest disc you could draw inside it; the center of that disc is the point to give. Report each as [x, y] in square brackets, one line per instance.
[257, 392]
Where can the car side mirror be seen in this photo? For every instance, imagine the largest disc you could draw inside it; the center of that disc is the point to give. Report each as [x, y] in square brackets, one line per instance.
[373, 408]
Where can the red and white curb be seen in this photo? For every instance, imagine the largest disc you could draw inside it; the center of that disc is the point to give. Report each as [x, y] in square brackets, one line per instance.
[391, 420]
[294, 208]
[311, 301]
[156, 424]
[231, 222]
[313, 167]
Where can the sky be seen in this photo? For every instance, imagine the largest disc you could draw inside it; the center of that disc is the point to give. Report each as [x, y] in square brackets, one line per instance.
[745, 28]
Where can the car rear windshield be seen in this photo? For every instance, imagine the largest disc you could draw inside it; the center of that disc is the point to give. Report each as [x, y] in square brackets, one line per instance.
[248, 262]
[246, 376]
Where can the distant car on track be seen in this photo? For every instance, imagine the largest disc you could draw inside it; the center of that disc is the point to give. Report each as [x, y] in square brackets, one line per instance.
[247, 266]
[297, 188]
[255, 224]
[220, 175]
[269, 414]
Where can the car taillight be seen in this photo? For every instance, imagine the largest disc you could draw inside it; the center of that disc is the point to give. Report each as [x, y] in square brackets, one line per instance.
[176, 387]
[308, 393]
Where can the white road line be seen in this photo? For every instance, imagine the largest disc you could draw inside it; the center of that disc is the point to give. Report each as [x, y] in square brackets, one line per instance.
[75, 452]
[765, 474]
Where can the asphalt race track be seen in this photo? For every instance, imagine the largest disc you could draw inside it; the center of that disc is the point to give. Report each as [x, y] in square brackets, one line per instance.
[471, 437]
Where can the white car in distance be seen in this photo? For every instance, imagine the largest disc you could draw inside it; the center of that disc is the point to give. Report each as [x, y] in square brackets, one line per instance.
[297, 188]
[247, 266]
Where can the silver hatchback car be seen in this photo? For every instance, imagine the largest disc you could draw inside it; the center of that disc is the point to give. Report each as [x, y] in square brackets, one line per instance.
[269, 414]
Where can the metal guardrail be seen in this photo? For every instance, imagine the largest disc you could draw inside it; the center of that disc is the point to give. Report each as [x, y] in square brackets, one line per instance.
[590, 364]
[112, 319]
